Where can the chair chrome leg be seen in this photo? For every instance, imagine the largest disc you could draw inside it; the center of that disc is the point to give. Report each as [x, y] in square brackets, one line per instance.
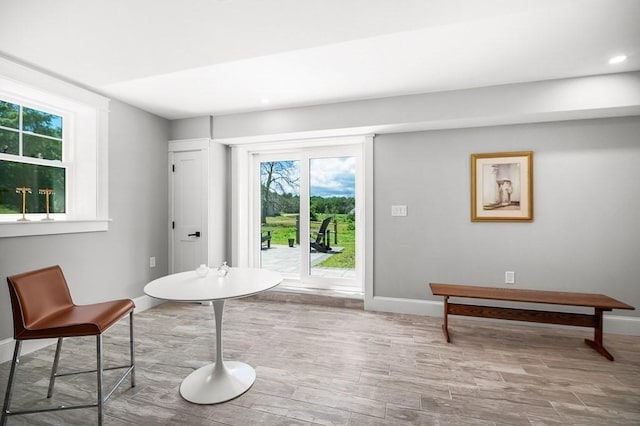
[99, 378]
[10, 383]
[54, 369]
[132, 351]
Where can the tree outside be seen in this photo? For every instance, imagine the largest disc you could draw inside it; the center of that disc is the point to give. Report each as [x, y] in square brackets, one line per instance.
[279, 188]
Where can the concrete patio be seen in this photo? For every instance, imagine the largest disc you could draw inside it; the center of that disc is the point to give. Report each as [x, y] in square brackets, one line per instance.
[286, 260]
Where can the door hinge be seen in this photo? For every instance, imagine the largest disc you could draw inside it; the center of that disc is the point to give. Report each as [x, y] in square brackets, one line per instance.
[173, 225]
[173, 168]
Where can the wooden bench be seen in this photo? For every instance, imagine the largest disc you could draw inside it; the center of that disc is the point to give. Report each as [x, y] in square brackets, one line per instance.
[599, 302]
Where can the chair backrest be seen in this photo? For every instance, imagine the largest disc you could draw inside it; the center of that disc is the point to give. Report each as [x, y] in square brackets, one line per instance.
[36, 296]
[323, 229]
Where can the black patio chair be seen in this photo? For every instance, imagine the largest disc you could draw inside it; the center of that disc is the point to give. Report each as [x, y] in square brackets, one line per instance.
[265, 236]
[320, 240]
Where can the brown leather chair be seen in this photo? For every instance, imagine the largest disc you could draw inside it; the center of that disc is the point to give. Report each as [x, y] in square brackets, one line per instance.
[43, 309]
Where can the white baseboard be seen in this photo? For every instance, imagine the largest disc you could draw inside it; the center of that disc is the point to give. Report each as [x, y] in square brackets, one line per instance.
[404, 306]
[7, 345]
[145, 302]
[612, 323]
[622, 325]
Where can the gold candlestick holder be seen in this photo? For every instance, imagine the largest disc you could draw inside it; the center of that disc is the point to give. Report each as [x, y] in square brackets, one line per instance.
[47, 192]
[24, 191]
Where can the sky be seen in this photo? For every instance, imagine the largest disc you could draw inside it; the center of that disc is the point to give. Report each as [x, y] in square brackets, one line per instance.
[330, 177]
[333, 177]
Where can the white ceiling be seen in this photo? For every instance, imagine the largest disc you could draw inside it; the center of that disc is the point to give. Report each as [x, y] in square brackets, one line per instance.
[191, 58]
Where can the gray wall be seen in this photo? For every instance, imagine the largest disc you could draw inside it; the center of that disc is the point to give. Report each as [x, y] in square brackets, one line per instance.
[190, 128]
[114, 264]
[586, 195]
[610, 95]
[585, 235]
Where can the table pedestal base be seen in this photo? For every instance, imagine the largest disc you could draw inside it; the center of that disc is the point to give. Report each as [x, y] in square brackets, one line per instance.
[211, 385]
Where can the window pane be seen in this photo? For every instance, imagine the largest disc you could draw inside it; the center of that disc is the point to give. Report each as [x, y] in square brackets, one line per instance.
[37, 147]
[15, 175]
[9, 115]
[41, 122]
[9, 142]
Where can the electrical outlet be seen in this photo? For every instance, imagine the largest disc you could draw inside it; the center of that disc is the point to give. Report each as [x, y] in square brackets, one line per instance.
[152, 262]
[509, 277]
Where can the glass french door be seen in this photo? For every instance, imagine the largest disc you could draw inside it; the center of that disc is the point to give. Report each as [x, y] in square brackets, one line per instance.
[308, 208]
[280, 215]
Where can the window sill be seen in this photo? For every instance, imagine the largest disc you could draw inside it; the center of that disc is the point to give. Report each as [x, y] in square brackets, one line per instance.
[27, 229]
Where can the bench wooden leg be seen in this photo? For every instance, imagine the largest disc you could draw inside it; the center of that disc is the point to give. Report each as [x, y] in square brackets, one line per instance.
[596, 343]
[445, 324]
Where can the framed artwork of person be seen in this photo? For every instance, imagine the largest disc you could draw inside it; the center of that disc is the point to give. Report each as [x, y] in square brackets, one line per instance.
[502, 187]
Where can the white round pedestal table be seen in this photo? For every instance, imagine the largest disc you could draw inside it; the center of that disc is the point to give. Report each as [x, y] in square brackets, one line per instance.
[219, 381]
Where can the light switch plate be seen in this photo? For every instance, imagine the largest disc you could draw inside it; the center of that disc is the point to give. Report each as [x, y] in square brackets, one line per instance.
[398, 210]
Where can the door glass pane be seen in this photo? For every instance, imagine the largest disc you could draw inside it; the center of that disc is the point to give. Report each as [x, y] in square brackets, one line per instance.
[15, 175]
[332, 189]
[279, 214]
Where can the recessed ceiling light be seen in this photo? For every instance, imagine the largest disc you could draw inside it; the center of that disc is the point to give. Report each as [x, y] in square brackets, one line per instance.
[618, 59]
[264, 101]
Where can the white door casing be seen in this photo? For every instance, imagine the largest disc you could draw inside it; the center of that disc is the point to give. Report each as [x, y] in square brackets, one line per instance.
[188, 195]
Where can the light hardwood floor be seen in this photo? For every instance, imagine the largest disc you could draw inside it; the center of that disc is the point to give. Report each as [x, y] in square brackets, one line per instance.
[319, 364]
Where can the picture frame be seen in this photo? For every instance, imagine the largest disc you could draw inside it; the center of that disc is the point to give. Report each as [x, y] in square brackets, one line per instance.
[502, 187]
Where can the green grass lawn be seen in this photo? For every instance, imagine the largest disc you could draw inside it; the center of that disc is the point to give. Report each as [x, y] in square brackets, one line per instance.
[283, 227]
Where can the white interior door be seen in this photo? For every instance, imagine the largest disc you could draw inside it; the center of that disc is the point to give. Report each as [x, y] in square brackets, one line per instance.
[188, 183]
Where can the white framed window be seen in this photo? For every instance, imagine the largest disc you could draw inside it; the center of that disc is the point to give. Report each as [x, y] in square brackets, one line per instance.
[53, 144]
[32, 161]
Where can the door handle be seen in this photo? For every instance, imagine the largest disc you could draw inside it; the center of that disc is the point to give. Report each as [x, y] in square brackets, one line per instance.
[195, 234]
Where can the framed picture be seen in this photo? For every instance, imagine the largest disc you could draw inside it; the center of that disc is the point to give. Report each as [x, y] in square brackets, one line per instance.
[502, 186]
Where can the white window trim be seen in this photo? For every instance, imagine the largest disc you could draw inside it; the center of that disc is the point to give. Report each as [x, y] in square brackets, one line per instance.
[242, 222]
[86, 113]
